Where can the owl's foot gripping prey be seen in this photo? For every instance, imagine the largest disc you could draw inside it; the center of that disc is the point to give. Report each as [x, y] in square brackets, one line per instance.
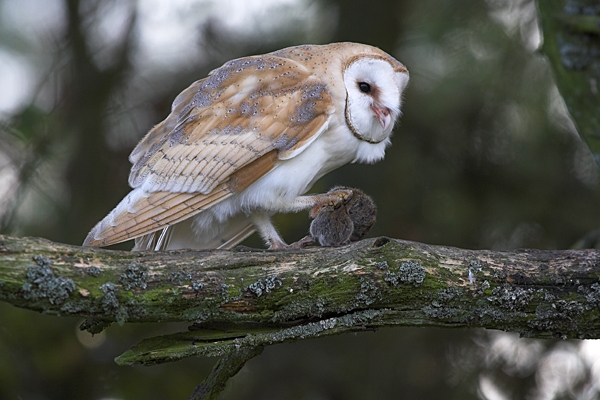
[262, 221]
[339, 224]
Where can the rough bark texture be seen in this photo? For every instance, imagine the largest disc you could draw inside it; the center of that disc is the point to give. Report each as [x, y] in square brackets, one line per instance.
[251, 298]
[226, 368]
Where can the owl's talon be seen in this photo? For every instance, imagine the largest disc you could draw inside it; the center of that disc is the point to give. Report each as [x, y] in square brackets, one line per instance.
[338, 226]
[330, 199]
[344, 194]
[312, 214]
[302, 243]
[277, 245]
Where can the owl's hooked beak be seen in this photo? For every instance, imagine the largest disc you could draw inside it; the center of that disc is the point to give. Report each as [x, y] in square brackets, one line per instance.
[383, 115]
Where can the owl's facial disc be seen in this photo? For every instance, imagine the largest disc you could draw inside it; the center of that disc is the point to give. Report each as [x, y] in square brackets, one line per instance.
[373, 97]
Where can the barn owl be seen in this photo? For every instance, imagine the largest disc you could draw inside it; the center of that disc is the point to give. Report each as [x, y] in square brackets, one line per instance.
[249, 140]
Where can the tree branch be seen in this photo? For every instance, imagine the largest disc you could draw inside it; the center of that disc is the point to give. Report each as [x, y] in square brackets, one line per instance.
[259, 297]
[226, 368]
[242, 300]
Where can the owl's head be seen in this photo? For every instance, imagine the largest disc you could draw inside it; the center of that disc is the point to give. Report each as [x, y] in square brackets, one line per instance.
[374, 85]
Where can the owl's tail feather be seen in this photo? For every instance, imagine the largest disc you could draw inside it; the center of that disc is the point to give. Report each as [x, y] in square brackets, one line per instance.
[183, 236]
[141, 213]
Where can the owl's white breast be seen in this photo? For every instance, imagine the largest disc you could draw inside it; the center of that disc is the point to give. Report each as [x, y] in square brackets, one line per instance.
[294, 177]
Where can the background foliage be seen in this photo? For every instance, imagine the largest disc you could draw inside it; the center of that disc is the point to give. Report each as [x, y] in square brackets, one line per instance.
[485, 156]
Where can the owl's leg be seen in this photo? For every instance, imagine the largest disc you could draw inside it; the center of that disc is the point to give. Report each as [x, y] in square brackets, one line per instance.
[264, 226]
[266, 229]
[318, 201]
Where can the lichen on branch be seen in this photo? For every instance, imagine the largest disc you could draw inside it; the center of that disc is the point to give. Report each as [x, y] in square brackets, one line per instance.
[239, 301]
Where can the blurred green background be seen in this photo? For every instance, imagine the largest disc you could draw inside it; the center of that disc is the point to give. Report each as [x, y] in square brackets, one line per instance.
[485, 157]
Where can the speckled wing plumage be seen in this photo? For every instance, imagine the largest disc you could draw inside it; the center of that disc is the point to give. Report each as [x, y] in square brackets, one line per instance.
[224, 132]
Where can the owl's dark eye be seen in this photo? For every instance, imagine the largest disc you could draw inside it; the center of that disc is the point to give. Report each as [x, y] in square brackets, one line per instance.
[364, 87]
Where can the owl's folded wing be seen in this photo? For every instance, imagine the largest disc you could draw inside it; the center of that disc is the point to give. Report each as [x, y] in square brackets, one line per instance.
[224, 132]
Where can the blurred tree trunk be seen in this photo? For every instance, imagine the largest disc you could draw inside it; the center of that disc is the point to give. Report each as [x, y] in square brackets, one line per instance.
[571, 41]
[378, 21]
[92, 172]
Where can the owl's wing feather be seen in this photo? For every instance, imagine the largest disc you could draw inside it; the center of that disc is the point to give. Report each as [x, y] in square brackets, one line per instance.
[141, 212]
[224, 132]
[243, 110]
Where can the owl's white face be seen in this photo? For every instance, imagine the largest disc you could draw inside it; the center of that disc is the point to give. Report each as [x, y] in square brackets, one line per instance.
[373, 98]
